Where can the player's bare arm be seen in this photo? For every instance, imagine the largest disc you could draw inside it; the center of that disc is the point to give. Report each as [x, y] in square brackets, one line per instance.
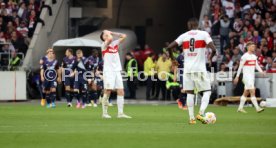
[59, 74]
[236, 80]
[121, 36]
[260, 69]
[214, 51]
[170, 48]
[42, 74]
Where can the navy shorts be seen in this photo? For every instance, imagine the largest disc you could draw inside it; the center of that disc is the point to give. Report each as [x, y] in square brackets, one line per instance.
[47, 85]
[69, 81]
[80, 85]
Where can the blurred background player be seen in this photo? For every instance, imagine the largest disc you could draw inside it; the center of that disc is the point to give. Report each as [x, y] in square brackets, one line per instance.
[49, 77]
[112, 71]
[248, 64]
[99, 81]
[80, 84]
[67, 69]
[194, 43]
[41, 61]
[182, 97]
[93, 63]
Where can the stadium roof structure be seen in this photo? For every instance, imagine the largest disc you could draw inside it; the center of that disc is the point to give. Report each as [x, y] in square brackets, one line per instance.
[77, 42]
[93, 41]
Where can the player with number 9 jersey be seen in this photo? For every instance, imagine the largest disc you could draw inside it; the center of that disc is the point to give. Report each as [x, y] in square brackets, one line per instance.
[194, 44]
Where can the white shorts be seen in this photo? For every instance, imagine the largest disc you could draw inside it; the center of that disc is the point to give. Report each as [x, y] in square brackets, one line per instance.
[249, 83]
[197, 80]
[113, 80]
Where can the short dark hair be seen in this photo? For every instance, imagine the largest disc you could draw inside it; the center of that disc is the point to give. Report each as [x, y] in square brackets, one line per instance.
[129, 54]
[192, 23]
[101, 36]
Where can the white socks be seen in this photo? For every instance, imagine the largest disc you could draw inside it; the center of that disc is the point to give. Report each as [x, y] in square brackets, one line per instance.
[204, 102]
[190, 104]
[105, 103]
[242, 102]
[120, 104]
[255, 103]
[253, 100]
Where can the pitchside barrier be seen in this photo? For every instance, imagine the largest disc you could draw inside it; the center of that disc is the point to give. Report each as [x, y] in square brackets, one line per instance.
[265, 84]
[13, 85]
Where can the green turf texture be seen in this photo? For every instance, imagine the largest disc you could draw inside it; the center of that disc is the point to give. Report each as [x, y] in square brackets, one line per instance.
[26, 125]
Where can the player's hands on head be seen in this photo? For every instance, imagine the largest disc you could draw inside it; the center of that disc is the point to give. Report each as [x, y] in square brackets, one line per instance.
[107, 31]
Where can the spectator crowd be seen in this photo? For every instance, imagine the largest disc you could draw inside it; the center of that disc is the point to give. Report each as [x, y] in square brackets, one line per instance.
[18, 19]
[237, 22]
[234, 23]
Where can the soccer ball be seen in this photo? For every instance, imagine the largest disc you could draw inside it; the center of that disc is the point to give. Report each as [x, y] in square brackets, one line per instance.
[263, 103]
[210, 118]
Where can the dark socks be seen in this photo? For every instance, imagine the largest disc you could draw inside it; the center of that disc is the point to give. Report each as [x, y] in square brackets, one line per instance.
[94, 95]
[68, 96]
[84, 97]
[48, 99]
[77, 96]
[182, 98]
[53, 97]
[89, 96]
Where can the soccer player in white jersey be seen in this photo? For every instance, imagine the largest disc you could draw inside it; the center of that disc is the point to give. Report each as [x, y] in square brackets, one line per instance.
[112, 68]
[248, 64]
[194, 44]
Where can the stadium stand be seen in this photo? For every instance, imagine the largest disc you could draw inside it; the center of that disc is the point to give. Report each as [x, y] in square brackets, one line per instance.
[237, 22]
[18, 20]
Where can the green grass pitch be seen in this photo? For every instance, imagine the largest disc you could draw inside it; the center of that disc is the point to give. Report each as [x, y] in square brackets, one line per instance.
[27, 125]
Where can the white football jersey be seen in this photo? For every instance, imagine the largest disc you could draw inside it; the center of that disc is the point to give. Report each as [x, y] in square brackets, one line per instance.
[111, 56]
[194, 44]
[249, 63]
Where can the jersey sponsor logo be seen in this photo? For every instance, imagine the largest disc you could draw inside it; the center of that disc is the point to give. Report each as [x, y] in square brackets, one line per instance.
[250, 63]
[229, 8]
[111, 50]
[197, 44]
[192, 54]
